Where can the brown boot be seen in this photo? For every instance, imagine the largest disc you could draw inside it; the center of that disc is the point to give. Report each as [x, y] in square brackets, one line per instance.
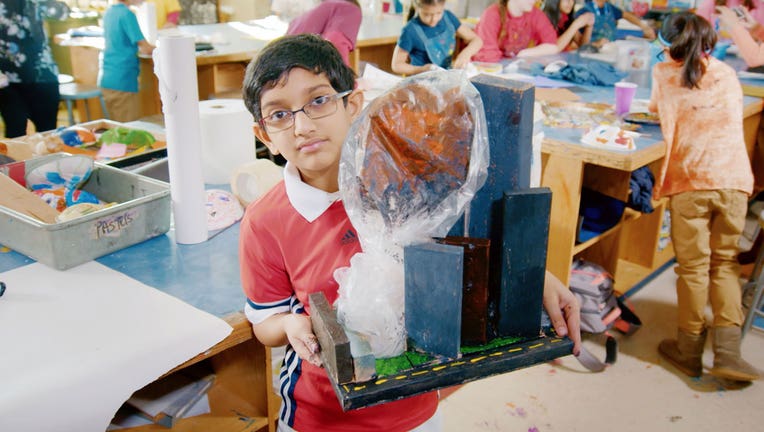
[727, 361]
[685, 352]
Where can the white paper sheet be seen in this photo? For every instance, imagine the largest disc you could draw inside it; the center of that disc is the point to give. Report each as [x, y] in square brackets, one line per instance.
[376, 82]
[265, 29]
[75, 344]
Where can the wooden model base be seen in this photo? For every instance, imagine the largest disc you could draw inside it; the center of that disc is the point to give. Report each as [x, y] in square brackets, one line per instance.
[425, 377]
[469, 367]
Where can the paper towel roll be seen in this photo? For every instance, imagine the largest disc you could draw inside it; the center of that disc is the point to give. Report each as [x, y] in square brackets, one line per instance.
[175, 67]
[227, 138]
[147, 21]
[251, 180]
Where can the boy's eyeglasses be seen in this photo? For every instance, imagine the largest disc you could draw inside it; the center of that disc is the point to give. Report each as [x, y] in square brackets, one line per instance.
[319, 107]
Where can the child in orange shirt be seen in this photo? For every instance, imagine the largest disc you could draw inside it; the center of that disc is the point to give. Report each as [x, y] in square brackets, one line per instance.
[707, 176]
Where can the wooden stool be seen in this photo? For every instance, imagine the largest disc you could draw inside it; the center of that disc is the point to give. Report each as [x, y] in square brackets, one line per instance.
[755, 283]
[73, 91]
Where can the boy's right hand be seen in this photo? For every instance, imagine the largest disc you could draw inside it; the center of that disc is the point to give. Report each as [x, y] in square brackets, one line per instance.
[299, 332]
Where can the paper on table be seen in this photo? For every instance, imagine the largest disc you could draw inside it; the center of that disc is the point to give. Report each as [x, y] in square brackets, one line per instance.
[375, 82]
[556, 94]
[611, 138]
[538, 81]
[77, 343]
[750, 75]
[262, 29]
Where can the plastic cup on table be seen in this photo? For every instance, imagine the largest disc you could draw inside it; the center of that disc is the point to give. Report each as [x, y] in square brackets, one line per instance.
[624, 94]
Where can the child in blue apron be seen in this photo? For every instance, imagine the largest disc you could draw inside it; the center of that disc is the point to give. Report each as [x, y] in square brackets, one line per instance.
[429, 39]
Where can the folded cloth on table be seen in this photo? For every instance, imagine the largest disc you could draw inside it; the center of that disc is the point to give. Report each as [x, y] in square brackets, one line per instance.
[591, 73]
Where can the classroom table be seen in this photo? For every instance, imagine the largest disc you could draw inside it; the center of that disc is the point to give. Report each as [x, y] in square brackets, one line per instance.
[220, 71]
[633, 250]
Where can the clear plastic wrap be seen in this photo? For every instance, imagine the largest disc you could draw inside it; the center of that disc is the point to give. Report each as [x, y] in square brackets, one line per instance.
[411, 164]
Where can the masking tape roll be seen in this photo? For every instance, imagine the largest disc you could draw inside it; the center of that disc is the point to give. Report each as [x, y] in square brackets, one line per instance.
[251, 180]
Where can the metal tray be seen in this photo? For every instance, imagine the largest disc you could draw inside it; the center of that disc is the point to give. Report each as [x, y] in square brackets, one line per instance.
[142, 212]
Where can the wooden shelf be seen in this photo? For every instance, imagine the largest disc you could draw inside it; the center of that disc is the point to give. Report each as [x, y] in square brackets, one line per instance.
[628, 275]
[241, 397]
[580, 247]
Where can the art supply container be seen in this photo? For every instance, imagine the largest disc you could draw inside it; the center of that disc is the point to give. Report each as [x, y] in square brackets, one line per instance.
[142, 211]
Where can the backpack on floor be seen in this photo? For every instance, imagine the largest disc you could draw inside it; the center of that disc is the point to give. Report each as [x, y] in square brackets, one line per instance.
[601, 310]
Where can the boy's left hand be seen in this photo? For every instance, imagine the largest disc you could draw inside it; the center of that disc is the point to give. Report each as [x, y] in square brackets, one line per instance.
[563, 310]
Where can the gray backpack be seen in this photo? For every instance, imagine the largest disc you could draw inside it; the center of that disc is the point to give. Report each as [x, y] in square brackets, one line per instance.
[601, 309]
[593, 287]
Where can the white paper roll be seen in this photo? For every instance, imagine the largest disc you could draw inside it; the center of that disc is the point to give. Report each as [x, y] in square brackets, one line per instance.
[147, 21]
[227, 138]
[175, 68]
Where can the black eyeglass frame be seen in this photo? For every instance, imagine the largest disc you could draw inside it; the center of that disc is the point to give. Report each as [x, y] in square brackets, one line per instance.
[292, 114]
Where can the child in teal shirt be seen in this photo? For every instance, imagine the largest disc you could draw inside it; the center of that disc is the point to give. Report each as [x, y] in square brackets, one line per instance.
[120, 67]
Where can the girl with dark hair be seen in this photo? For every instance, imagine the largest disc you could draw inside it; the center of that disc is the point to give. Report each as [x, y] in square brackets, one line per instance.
[569, 31]
[706, 174]
[429, 39]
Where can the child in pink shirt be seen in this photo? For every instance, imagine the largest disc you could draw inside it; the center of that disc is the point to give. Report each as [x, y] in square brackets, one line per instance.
[515, 28]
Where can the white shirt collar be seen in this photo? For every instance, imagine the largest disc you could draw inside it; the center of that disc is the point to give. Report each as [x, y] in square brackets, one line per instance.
[310, 202]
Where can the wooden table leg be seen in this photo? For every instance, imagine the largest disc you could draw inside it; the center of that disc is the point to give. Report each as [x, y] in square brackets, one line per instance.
[563, 175]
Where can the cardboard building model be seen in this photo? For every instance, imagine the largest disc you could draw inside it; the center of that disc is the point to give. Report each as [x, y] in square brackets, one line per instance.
[473, 304]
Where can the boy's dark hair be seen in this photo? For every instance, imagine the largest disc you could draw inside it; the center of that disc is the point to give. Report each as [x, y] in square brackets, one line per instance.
[691, 40]
[280, 56]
